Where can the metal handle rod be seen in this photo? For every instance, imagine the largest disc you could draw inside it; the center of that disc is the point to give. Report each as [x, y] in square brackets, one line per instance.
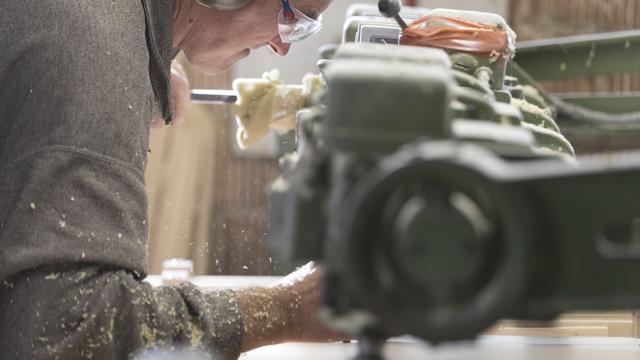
[391, 9]
[401, 22]
[209, 96]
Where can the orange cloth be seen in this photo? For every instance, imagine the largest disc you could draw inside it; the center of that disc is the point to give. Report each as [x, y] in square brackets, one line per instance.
[452, 33]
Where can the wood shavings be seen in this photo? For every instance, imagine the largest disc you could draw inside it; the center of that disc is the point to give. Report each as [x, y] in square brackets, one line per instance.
[267, 103]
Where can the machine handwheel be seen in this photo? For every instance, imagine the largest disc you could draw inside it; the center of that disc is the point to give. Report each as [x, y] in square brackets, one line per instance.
[433, 247]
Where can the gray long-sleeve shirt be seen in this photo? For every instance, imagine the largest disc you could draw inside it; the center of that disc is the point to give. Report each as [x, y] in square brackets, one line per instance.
[80, 82]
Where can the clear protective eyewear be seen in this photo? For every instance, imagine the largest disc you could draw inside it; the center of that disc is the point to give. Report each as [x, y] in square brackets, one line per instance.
[294, 26]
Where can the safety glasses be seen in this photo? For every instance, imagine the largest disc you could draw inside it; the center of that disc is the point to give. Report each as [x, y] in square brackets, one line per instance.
[294, 26]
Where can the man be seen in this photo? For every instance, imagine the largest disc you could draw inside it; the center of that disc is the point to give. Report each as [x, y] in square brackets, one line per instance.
[80, 82]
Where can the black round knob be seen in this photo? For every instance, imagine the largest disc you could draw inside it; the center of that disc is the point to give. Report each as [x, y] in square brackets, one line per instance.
[436, 247]
[390, 8]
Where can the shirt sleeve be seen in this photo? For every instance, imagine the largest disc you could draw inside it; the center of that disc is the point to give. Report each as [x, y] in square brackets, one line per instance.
[77, 102]
[101, 313]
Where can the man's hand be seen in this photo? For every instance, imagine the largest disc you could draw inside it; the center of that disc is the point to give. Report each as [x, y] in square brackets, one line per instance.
[302, 291]
[287, 312]
[180, 94]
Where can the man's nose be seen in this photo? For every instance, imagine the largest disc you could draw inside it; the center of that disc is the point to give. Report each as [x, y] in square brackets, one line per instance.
[278, 46]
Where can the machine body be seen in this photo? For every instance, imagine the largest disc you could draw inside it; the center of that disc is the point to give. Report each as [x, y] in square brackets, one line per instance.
[442, 197]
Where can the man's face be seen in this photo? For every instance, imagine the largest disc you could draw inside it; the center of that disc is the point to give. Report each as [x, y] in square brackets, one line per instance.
[216, 40]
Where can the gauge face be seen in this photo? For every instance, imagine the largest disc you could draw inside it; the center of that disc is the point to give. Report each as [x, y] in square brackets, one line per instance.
[384, 40]
[388, 35]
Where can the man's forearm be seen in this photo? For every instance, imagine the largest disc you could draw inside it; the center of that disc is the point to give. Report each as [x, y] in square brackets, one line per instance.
[287, 312]
[84, 311]
[268, 316]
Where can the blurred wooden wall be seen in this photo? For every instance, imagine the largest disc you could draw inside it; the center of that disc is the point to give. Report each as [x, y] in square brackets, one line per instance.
[537, 19]
[206, 203]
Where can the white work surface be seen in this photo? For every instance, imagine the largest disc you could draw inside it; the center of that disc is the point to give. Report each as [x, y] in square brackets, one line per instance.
[486, 348]
[218, 282]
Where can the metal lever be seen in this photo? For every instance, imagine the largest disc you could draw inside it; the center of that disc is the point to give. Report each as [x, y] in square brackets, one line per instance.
[207, 96]
[391, 9]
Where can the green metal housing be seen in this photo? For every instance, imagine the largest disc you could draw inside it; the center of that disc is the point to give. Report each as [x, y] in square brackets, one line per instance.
[441, 201]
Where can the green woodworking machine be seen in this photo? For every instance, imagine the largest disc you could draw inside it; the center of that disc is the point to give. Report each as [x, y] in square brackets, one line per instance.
[432, 180]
